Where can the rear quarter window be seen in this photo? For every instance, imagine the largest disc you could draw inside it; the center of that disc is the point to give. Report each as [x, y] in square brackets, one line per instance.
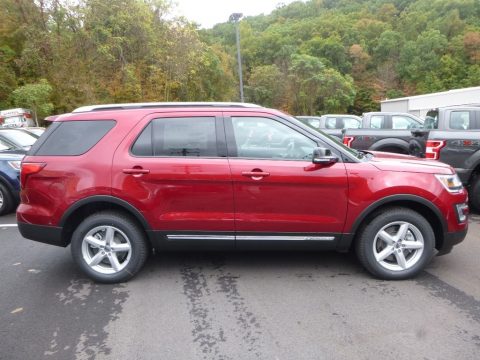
[71, 138]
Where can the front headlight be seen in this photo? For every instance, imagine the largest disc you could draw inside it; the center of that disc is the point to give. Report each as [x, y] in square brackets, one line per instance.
[450, 182]
[15, 164]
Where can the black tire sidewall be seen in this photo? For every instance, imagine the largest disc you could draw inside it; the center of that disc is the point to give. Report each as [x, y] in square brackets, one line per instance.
[7, 200]
[135, 235]
[365, 247]
[474, 193]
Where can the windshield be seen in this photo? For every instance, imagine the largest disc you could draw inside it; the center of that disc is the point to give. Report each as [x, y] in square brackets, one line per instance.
[19, 137]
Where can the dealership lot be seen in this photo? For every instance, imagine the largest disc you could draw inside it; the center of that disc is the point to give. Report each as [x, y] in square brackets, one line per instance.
[237, 306]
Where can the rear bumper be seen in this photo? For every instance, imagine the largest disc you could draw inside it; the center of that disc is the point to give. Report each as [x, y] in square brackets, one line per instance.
[46, 234]
[451, 239]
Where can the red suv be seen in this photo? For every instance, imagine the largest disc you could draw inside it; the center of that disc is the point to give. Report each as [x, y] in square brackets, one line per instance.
[115, 181]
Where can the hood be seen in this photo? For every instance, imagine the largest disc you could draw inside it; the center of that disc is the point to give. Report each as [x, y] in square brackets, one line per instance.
[406, 163]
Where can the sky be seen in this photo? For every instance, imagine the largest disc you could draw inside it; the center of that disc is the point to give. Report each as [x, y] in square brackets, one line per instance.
[210, 12]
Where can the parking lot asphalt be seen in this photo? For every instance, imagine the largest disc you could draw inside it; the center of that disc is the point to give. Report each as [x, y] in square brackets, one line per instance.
[237, 306]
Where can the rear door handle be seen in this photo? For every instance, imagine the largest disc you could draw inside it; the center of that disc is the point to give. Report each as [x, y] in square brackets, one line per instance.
[136, 171]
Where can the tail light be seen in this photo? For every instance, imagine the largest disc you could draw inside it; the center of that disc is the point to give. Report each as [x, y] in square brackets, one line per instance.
[28, 169]
[347, 140]
[433, 149]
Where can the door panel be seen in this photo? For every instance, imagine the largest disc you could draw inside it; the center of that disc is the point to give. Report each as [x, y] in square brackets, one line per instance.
[188, 194]
[277, 188]
[294, 197]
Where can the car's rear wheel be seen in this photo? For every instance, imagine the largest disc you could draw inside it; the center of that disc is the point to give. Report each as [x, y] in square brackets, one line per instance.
[6, 200]
[396, 244]
[109, 247]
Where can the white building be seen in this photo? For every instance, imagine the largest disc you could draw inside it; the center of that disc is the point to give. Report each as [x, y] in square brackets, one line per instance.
[420, 104]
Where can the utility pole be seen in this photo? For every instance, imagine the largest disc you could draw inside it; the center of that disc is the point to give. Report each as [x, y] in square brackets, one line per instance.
[235, 17]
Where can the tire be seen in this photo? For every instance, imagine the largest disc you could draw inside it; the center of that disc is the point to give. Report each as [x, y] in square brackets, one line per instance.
[6, 200]
[474, 193]
[113, 244]
[382, 236]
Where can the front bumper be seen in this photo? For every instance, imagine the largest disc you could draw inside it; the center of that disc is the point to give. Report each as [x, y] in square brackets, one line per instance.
[451, 239]
[46, 234]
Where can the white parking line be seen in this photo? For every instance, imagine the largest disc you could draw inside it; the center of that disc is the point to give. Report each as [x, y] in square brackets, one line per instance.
[8, 225]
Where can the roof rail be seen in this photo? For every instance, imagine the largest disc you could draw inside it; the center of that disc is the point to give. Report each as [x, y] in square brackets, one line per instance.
[148, 105]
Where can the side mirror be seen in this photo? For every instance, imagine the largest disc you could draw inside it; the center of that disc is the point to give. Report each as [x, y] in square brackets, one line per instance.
[323, 156]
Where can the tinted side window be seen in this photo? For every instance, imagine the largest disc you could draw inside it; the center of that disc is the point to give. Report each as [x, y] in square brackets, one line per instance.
[194, 136]
[71, 138]
[377, 122]
[460, 120]
[143, 145]
[264, 138]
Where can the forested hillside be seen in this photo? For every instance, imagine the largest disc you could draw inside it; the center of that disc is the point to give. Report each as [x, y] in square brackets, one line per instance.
[306, 58]
[338, 55]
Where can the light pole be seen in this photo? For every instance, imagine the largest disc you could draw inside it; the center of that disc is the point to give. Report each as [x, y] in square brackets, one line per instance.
[235, 17]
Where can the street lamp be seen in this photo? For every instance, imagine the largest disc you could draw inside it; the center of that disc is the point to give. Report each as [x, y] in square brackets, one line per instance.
[235, 17]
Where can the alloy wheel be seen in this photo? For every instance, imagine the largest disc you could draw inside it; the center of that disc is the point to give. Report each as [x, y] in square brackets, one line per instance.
[398, 246]
[106, 249]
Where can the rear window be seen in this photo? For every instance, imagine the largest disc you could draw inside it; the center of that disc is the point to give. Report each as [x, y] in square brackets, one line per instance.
[377, 122]
[351, 123]
[460, 120]
[331, 123]
[71, 138]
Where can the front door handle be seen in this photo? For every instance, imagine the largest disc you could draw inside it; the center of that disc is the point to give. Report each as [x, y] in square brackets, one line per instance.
[255, 174]
[136, 171]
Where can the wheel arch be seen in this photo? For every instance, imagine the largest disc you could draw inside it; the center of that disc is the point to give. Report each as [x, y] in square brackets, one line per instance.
[7, 184]
[82, 208]
[391, 143]
[426, 208]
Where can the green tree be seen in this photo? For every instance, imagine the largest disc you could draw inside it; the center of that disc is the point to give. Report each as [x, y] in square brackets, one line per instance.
[35, 97]
[266, 86]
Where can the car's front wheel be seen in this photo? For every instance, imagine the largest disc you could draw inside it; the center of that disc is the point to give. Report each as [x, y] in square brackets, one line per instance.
[396, 244]
[109, 247]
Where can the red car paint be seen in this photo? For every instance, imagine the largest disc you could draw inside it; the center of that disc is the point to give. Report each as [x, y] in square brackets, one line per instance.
[221, 194]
